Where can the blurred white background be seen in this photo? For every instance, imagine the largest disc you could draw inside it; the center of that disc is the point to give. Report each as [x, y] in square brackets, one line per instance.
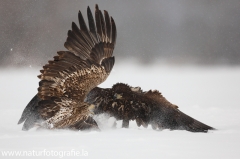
[176, 32]
[186, 49]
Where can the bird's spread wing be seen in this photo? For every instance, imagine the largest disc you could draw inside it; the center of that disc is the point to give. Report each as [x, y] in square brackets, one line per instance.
[88, 62]
[131, 103]
[173, 117]
[67, 79]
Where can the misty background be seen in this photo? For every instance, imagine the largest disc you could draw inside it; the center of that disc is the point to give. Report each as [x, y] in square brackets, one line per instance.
[161, 44]
[175, 32]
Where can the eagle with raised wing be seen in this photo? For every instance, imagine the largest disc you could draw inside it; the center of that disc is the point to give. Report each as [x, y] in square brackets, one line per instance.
[67, 79]
[131, 103]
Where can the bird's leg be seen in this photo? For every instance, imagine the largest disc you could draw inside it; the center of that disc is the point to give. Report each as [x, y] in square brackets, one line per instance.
[125, 123]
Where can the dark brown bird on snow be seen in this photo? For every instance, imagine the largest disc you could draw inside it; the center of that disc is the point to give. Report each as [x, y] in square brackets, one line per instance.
[67, 79]
[131, 103]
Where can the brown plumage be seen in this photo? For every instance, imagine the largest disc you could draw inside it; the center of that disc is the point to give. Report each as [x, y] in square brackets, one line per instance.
[67, 79]
[131, 103]
[66, 90]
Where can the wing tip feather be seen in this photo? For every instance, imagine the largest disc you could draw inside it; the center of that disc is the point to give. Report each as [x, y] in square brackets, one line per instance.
[108, 63]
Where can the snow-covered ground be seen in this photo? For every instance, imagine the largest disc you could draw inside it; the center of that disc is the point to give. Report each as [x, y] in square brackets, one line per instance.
[209, 94]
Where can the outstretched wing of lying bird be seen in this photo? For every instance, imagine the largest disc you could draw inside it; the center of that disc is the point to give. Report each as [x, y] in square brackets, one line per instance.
[131, 103]
[67, 79]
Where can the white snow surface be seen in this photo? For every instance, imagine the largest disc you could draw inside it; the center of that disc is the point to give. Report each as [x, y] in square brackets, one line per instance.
[208, 94]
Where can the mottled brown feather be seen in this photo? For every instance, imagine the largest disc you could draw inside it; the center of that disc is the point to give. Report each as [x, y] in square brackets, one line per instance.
[131, 103]
[66, 80]
[157, 96]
